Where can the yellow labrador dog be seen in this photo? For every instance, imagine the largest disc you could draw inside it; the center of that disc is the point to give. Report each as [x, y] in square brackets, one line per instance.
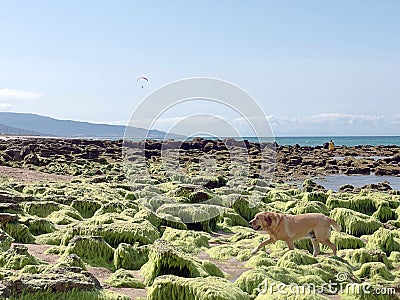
[290, 228]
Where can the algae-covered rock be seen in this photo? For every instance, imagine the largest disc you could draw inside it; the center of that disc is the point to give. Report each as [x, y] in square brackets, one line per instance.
[53, 238]
[130, 257]
[296, 257]
[199, 216]
[18, 257]
[38, 225]
[54, 280]
[124, 279]
[5, 241]
[165, 258]
[91, 249]
[86, 208]
[121, 232]
[261, 259]
[212, 288]
[187, 240]
[19, 232]
[343, 240]
[232, 218]
[71, 260]
[359, 257]
[384, 240]
[309, 207]
[355, 223]
[250, 280]
[374, 271]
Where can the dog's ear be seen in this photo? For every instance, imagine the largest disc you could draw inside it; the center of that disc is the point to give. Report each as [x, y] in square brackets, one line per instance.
[268, 219]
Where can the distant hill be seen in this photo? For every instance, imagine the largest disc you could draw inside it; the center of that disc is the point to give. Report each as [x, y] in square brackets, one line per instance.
[4, 129]
[67, 128]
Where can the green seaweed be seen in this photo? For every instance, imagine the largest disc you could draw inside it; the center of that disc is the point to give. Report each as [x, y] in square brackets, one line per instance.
[5, 241]
[91, 249]
[167, 259]
[212, 288]
[250, 280]
[187, 240]
[375, 272]
[17, 257]
[296, 257]
[384, 240]
[130, 257]
[86, 208]
[19, 232]
[38, 225]
[355, 223]
[343, 240]
[119, 232]
[359, 257]
[124, 279]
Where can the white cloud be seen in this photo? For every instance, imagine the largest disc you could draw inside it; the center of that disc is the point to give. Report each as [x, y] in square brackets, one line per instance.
[5, 106]
[12, 95]
[8, 97]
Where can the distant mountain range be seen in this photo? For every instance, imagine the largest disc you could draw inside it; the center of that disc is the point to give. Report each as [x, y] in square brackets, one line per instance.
[32, 124]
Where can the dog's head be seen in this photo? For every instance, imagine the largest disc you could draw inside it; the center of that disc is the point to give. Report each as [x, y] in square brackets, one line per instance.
[262, 220]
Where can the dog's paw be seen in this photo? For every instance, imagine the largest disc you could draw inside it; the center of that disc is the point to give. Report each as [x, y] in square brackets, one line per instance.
[254, 251]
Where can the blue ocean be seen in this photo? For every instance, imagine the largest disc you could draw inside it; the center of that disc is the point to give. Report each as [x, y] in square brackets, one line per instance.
[338, 140]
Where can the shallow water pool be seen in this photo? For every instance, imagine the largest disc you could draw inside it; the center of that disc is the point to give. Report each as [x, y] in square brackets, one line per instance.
[334, 182]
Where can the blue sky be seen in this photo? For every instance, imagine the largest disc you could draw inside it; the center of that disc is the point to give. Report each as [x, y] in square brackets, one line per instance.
[308, 63]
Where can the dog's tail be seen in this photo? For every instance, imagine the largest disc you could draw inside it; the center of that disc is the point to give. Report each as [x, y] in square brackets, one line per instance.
[334, 224]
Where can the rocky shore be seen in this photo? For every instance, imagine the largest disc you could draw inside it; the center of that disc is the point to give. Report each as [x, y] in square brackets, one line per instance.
[73, 156]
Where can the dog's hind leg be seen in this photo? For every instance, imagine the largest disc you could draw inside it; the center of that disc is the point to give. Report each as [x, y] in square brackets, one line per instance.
[290, 244]
[330, 245]
[323, 237]
[264, 243]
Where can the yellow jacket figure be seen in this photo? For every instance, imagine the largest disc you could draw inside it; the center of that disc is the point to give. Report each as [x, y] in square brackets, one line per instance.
[331, 146]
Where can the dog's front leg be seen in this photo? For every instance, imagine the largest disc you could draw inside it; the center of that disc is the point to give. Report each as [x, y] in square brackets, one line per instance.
[269, 241]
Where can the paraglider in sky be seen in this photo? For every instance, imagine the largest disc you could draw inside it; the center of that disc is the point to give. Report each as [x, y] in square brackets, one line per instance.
[142, 78]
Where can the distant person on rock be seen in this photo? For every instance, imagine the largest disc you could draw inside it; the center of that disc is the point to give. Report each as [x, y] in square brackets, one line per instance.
[331, 146]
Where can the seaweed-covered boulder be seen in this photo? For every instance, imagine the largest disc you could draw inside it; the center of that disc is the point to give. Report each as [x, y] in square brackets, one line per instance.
[54, 280]
[130, 257]
[187, 240]
[86, 208]
[195, 216]
[358, 257]
[250, 280]
[309, 207]
[165, 258]
[232, 218]
[343, 240]
[355, 223]
[212, 288]
[296, 257]
[38, 225]
[5, 241]
[261, 259]
[121, 232]
[374, 271]
[71, 260]
[19, 232]
[18, 257]
[123, 278]
[44, 208]
[92, 250]
[385, 240]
